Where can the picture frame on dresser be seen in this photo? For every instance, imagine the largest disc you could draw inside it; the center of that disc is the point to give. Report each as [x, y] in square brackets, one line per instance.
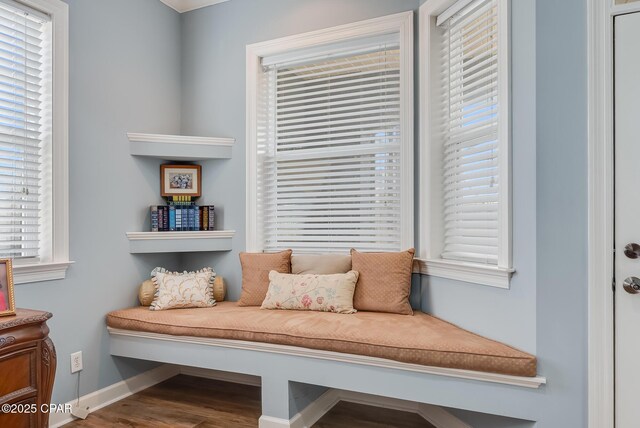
[7, 298]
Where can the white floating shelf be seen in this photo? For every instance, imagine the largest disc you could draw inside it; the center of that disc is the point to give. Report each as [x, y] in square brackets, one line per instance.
[180, 242]
[178, 147]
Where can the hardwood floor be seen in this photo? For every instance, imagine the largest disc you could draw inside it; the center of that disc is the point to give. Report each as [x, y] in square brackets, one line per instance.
[191, 402]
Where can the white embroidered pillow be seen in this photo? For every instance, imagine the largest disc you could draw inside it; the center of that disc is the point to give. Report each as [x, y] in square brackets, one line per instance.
[312, 292]
[182, 290]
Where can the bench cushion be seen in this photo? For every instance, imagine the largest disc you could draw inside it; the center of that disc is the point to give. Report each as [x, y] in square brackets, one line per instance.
[418, 339]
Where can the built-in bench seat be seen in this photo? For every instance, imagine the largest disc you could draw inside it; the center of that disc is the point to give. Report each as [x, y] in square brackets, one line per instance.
[418, 339]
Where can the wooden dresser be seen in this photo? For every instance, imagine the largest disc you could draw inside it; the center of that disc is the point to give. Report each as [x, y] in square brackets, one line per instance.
[27, 368]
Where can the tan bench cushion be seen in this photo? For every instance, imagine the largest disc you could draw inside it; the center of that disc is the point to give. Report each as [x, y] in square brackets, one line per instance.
[419, 339]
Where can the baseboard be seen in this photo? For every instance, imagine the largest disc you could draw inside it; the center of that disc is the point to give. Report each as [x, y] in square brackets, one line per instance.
[116, 392]
[270, 422]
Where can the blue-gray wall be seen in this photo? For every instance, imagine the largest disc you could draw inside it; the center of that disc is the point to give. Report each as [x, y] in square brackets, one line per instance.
[124, 76]
[561, 223]
[152, 70]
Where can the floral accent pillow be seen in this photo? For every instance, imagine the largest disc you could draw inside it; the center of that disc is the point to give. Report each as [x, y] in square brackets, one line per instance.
[182, 290]
[312, 292]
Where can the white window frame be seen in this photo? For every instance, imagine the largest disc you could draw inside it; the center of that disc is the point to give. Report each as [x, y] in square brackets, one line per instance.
[401, 23]
[56, 265]
[431, 231]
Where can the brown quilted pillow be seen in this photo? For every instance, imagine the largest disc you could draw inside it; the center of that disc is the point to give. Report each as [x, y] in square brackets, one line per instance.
[384, 284]
[255, 274]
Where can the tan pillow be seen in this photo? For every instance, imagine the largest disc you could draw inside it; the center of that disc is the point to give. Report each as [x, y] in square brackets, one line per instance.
[182, 289]
[255, 274]
[146, 292]
[324, 293]
[322, 264]
[385, 281]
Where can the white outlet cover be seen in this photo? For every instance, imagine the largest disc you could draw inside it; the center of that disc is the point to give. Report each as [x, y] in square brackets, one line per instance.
[76, 362]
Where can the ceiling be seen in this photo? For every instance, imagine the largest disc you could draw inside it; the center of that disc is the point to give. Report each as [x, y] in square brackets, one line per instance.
[187, 5]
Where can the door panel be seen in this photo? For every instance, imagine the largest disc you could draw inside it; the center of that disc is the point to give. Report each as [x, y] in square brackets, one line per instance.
[627, 217]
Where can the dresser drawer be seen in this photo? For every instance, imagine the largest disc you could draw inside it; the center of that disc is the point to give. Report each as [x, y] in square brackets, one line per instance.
[21, 365]
[24, 419]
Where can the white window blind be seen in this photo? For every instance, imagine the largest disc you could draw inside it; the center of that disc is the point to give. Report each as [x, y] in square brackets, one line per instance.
[470, 115]
[24, 128]
[329, 148]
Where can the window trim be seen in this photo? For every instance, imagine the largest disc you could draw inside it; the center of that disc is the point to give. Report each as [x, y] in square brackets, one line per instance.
[56, 267]
[401, 23]
[429, 260]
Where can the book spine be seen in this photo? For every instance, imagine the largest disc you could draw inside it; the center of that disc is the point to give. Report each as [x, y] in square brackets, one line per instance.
[154, 218]
[192, 218]
[205, 217]
[196, 219]
[172, 218]
[165, 218]
[179, 218]
[211, 217]
[200, 216]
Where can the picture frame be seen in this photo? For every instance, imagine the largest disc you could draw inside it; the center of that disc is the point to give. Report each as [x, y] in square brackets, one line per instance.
[181, 180]
[7, 298]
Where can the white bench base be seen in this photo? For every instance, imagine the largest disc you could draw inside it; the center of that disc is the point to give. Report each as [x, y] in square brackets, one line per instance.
[282, 368]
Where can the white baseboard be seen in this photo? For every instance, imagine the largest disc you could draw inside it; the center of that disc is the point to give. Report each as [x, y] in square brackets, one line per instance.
[116, 392]
[270, 422]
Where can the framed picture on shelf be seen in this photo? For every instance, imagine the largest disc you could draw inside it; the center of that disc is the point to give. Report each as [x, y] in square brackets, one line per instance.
[7, 300]
[181, 180]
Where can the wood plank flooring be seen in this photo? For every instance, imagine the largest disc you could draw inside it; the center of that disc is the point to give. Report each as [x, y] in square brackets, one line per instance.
[191, 402]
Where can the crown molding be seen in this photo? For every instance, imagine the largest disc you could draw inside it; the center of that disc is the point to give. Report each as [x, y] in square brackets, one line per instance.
[187, 5]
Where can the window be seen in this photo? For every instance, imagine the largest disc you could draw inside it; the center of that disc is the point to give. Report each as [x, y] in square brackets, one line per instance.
[33, 142]
[466, 142]
[332, 141]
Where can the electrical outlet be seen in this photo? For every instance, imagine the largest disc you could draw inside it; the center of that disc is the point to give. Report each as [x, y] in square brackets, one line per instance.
[76, 362]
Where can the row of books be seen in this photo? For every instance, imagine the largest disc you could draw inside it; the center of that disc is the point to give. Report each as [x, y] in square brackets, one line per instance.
[178, 217]
[181, 200]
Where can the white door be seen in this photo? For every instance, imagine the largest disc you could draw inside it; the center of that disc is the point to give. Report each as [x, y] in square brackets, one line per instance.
[627, 219]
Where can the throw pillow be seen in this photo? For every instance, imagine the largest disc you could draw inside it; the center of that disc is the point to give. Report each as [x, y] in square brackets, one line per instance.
[385, 281]
[146, 292]
[182, 290]
[325, 293]
[255, 274]
[322, 264]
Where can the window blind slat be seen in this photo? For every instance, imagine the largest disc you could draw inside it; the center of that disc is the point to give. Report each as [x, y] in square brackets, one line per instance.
[320, 108]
